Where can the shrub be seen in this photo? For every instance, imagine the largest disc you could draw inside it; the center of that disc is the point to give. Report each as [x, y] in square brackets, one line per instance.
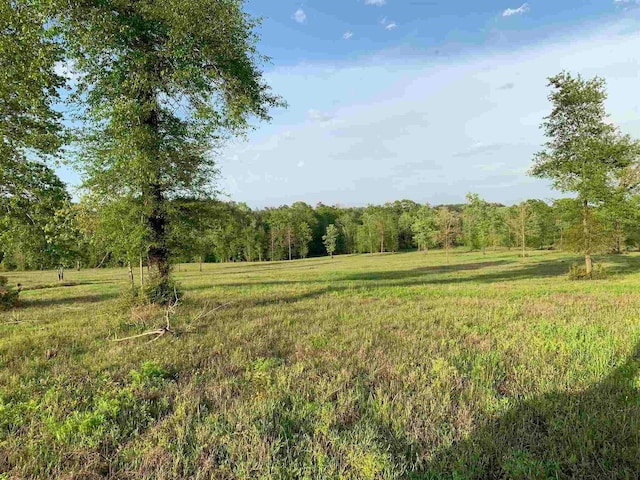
[8, 295]
[579, 272]
[153, 292]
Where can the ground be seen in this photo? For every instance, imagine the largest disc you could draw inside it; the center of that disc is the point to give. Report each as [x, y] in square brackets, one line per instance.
[360, 367]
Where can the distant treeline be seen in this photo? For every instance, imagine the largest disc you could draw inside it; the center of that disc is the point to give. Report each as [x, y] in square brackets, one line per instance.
[99, 233]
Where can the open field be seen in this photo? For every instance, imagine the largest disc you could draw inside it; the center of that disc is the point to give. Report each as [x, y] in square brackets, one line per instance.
[360, 367]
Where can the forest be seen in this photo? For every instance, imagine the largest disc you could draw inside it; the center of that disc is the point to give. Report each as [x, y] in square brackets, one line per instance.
[88, 234]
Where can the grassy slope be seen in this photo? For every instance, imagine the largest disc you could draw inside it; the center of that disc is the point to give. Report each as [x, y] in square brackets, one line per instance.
[386, 366]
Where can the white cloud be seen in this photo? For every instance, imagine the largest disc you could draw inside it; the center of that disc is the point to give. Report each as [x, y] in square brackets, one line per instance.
[300, 16]
[377, 3]
[524, 8]
[389, 25]
[429, 130]
[318, 116]
[300, 164]
[347, 35]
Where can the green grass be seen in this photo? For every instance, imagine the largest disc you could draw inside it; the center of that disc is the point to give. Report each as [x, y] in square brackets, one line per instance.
[361, 367]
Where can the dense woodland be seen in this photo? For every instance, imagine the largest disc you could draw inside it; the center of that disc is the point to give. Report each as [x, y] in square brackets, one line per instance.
[87, 234]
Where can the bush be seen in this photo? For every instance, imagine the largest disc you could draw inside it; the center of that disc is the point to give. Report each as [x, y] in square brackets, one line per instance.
[154, 291]
[8, 295]
[579, 272]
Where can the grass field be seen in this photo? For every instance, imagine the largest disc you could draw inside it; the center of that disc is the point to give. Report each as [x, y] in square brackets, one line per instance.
[360, 367]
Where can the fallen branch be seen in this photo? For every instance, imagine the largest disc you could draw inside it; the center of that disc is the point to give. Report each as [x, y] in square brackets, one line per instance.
[169, 311]
[202, 315]
[158, 334]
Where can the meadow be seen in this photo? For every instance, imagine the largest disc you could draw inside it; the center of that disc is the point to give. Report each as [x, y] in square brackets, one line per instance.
[358, 367]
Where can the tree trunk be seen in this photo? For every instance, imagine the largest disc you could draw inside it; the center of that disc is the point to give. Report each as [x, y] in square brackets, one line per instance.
[289, 240]
[382, 242]
[200, 261]
[272, 244]
[131, 275]
[153, 193]
[588, 264]
[524, 240]
[141, 272]
[78, 265]
[158, 254]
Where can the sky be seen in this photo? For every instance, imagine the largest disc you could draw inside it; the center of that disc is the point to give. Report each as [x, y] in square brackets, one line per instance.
[421, 99]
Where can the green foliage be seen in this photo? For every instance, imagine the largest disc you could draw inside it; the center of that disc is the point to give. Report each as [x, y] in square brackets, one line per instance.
[478, 215]
[424, 228]
[579, 272]
[379, 230]
[448, 227]
[585, 153]
[156, 93]
[8, 295]
[330, 238]
[30, 133]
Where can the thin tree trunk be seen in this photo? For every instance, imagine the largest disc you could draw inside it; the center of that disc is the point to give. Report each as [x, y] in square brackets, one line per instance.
[272, 244]
[130, 269]
[141, 271]
[588, 264]
[289, 240]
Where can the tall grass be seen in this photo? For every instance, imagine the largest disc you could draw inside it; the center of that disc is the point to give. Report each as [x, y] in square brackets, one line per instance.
[360, 367]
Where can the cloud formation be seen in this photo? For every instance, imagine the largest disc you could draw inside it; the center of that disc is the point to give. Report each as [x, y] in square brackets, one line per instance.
[524, 8]
[389, 25]
[300, 16]
[347, 35]
[415, 128]
[317, 116]
[377, 3]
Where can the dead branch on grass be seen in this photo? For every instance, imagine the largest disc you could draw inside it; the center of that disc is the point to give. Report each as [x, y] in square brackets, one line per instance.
[168, 313]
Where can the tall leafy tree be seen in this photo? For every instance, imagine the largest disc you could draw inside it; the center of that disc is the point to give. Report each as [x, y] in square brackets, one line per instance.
[520, 220]
[159, 82]
[448, 228]
[30, 133]
[330, 238]
[585, 153]
[348, 224]
[424, 228]
[477, 217]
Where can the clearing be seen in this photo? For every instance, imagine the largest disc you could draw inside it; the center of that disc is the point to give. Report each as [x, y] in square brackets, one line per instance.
[363, 367]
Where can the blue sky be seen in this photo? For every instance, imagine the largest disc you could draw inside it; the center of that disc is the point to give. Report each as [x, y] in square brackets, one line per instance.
[421, 99]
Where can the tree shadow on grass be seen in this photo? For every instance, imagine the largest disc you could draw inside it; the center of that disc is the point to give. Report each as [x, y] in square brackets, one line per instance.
[593, 434]
[480, 273]
[83, 299]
